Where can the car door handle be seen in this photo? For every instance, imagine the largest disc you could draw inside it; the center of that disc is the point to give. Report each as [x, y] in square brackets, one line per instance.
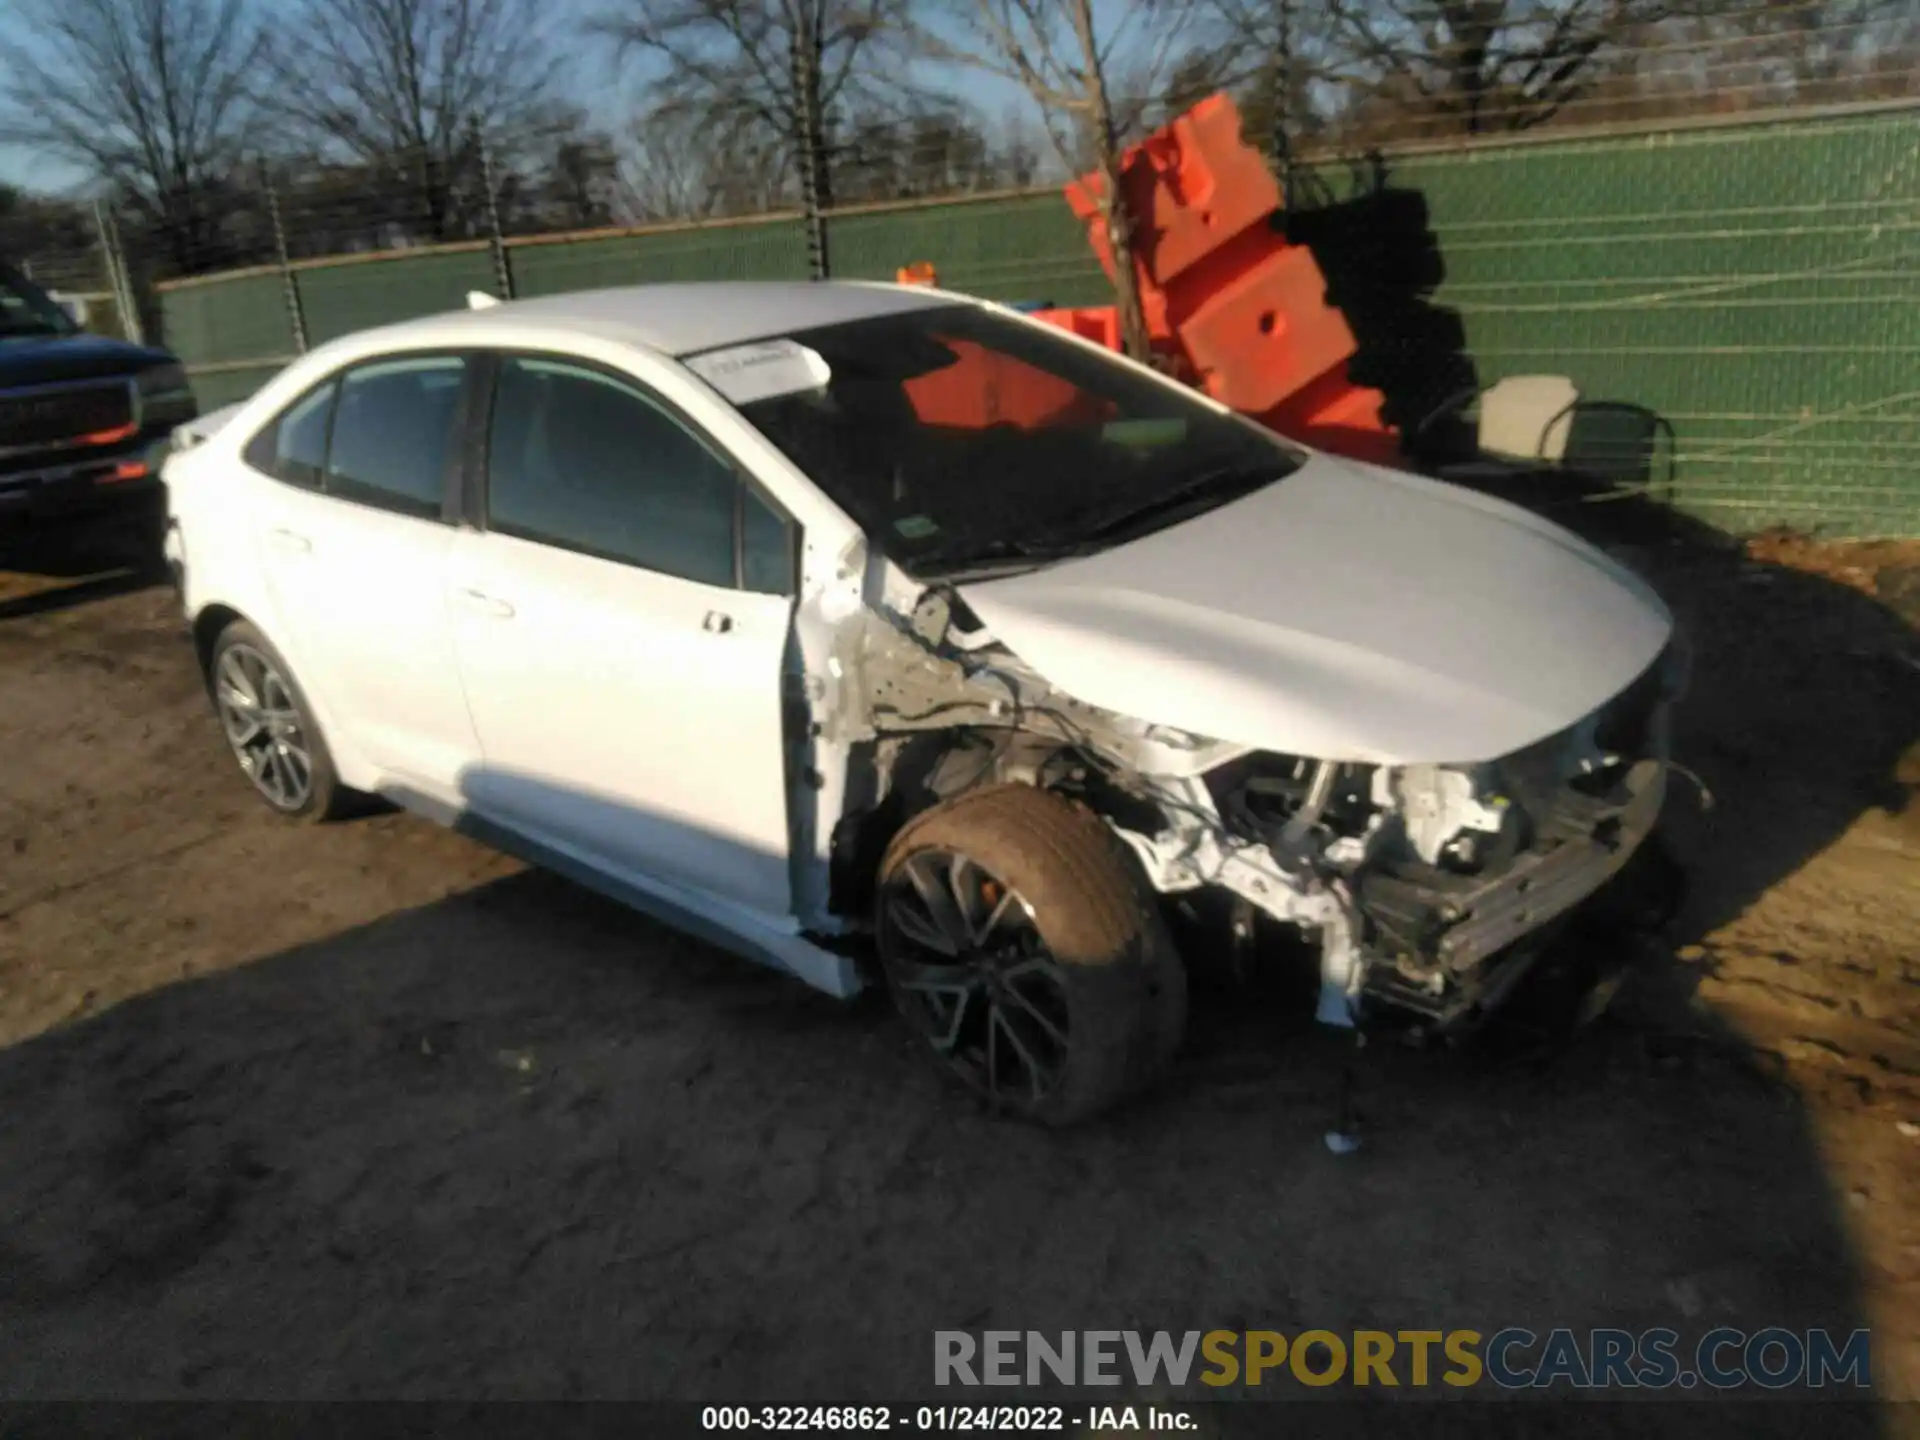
[716, 623]
[486, 604]
[288, 540]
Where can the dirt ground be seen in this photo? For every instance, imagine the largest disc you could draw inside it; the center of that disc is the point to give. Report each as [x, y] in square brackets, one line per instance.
[368, 1110]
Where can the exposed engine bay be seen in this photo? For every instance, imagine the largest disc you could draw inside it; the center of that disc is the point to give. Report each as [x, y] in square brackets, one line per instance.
[1422, 886]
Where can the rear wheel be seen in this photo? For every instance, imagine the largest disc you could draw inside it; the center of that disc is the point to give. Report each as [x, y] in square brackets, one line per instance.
[1022, 944]
[269, 727]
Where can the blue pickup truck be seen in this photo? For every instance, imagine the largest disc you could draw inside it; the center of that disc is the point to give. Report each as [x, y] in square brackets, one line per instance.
[84, 419]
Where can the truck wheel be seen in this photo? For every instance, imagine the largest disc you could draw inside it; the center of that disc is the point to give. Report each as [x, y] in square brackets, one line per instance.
[1022, 944]
[269, 727]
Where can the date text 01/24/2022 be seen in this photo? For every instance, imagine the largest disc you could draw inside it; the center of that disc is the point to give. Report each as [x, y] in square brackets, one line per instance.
[1040, 1419]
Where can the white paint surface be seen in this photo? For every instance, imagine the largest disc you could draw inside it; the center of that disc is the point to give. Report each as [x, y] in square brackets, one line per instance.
[1347, 612]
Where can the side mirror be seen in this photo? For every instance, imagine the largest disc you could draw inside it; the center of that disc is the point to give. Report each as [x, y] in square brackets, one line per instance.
[76, 307]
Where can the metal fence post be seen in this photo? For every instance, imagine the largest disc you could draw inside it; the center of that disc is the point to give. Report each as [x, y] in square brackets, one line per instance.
[119, 281]
[132, 323]
[1280, 83]
[502, 272]
[806, 90]
[289, 287]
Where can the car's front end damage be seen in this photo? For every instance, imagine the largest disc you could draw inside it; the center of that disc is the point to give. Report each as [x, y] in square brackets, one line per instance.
[1427, 888]
[1076, 638]
[1445, 877]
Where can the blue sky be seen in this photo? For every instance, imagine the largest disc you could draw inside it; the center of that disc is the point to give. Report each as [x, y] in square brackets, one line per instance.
[996, 98]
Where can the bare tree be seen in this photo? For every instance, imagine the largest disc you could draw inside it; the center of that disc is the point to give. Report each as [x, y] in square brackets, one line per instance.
[936, 147]
[1488, 65]
[51, 239]
[1438, 67]
[415, 89]
[1020, 158]
[1096, 75]
[578, 182]
[153, 97]
[1787, 52]
[776, 71]
[566, 177]
[680, 167]
[1277, 55]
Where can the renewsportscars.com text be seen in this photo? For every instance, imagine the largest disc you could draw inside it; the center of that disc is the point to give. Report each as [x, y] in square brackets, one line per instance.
[1773, 1358]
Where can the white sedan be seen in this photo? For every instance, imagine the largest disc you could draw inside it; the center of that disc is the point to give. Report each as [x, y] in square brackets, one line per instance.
[879, 631]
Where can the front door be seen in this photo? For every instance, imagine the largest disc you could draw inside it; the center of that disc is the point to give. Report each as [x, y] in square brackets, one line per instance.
[621, 654]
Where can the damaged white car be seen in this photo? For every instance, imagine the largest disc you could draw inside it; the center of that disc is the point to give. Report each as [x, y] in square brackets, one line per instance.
[882, 632]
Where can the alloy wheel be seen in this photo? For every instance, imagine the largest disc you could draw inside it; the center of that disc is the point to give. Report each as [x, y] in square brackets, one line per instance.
[263, 726]
[975, 975]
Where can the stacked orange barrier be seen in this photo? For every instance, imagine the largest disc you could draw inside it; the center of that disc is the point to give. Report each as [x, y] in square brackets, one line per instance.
[1226, 299]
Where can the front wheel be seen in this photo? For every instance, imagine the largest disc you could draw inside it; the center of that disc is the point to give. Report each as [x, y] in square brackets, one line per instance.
[1021, 942]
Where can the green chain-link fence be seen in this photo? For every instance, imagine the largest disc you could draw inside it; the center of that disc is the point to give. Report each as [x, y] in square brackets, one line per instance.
[1754, 285]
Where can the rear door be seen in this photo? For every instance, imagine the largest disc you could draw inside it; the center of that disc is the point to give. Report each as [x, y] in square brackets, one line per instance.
[355, 541]
[622, 620]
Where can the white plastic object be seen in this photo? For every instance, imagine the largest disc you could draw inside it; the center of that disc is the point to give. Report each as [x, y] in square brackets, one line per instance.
[1528, 417]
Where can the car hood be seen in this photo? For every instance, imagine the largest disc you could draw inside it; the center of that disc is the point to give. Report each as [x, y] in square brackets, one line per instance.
[49, 359]
[1346, 612]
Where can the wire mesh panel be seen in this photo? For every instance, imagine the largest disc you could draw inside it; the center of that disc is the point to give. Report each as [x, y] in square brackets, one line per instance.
[360, 294]
[772, 249]
[1755, 287]
[1026, 247]
[1746, 285]
[225, 319]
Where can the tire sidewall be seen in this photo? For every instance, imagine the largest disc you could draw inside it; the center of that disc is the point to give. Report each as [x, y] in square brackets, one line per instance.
[323, 792]
[1124, 983]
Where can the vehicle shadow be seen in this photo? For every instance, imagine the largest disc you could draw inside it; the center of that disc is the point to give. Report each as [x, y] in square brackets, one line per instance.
[523, 1142]
[89, 560]
[1800, 727]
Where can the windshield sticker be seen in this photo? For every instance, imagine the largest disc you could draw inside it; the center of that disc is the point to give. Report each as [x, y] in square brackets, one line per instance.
[1144, 433]
[915, 527]
[762, 370]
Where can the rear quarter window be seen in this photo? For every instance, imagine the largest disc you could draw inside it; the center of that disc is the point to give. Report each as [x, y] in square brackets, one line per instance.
[293, 446]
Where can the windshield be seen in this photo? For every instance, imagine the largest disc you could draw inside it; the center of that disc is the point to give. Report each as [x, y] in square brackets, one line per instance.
[27, 310]
[963, 439]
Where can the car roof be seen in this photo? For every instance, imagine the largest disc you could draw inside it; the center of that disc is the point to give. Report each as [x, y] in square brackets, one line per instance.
[683, 319]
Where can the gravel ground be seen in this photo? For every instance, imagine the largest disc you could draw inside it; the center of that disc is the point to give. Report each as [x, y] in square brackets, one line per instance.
[369, 1110]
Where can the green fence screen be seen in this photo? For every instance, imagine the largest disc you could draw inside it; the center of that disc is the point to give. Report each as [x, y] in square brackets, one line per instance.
[1755, 287]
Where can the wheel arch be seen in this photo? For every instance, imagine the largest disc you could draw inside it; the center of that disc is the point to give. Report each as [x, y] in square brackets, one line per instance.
[212, 620]
[912, 773]
[207, 627]
[1102, 937]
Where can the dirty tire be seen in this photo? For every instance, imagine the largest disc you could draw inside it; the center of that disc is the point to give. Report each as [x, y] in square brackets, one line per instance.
[325, 797]
[1119, 978]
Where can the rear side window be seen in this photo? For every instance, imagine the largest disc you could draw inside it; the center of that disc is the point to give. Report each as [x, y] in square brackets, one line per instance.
[294, 447]
[583, 461]
[393, 432]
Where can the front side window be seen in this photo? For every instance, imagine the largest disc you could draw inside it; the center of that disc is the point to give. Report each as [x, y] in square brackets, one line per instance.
[961, 438]
[587, 462]
[393, 433]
